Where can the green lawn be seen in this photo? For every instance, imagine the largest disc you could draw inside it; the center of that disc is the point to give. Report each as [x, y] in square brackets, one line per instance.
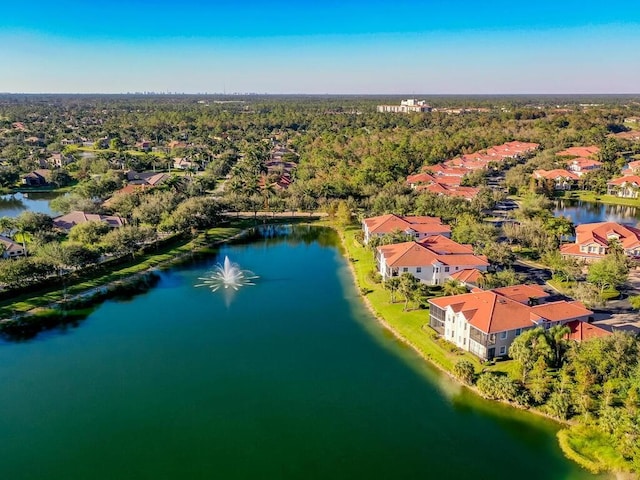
[588, 196]
[411, 326]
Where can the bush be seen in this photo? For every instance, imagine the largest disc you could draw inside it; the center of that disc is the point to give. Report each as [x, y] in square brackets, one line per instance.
[374, 276]
[499, 387]
[465, 371]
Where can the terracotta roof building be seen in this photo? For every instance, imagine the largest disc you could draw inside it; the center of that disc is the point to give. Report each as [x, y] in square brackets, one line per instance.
[627, 186]
[582, 165]
[581, 331]
[419, 227]
[562, 179]
[485, 323]
[470, 277]
[591, 151]
[592, 240]
[432, 261]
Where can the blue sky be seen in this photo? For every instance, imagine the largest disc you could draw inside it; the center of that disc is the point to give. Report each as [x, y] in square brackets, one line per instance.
[391, 47]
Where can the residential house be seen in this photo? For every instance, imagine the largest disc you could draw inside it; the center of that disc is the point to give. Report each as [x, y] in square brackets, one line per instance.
[631, 135]
[485, 323]
[581, 331]
[144, 146]
[582, 165]
[627, 186]
[562, 179]
[184, 164]
[146, 178]
[37, 178]
[593, 239]
[468, 193]
[591, 151]
[632, 168]
[419, 227]
[471, 277]
[58, 160]
[432, 260]
[11, 249]
[70, 220]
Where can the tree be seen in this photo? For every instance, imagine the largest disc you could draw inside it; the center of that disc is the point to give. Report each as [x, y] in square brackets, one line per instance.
[610, 272]
[469, 230]
[193, 214]
[343, 214]
[528, 347]
[540, 382]
[393, 285]
[127, 240]
[465, 371]
[453, 287]
[557, 339]
[635, 302]
[89, 233]
[408, 287]
[499, 254]
[7, 225]
[587, 293]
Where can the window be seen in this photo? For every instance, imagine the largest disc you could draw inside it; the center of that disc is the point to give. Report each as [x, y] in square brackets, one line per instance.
[503, 350]
[446, 269]
[405, 269]
[503, 335]
[518, 331]
[418, 269]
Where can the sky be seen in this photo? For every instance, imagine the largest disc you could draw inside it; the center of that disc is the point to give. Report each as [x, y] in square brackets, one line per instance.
[329, 46]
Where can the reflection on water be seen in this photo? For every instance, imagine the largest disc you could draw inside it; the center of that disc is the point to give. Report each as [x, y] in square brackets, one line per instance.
[14, 204]
[580, 212]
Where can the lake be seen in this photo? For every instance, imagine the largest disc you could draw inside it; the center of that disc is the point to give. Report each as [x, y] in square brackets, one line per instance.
[289, 379]
[14, 204]
[589, 212]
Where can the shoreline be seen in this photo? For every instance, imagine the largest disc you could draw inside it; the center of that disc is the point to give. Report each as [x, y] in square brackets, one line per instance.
[563, 426]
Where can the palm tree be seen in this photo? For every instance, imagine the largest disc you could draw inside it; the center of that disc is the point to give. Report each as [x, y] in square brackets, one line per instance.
[268, 190]
[558, 340]
[392, 284]
[408, 286]
[453, 287]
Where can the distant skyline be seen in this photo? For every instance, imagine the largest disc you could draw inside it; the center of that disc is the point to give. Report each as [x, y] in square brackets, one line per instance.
[348, 47]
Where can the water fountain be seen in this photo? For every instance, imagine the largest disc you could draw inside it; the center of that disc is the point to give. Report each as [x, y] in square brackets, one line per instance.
[228, 275]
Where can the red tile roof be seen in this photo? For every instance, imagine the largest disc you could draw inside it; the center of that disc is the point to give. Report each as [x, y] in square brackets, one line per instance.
[600, 233]
[555, 174]
[579, 151]
[521, 293]
[625, 180]
[581, 331]
[491, 313]
[414, 254]
[468, 275]
[582, 162]
[390, 223]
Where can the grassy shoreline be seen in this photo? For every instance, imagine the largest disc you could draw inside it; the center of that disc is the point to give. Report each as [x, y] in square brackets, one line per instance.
[576, 443]
[162, 257]
[590, 196]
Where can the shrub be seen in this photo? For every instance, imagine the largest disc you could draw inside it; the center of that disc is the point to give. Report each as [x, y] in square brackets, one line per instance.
[499, 387]
[374, 276]
[465, 371]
